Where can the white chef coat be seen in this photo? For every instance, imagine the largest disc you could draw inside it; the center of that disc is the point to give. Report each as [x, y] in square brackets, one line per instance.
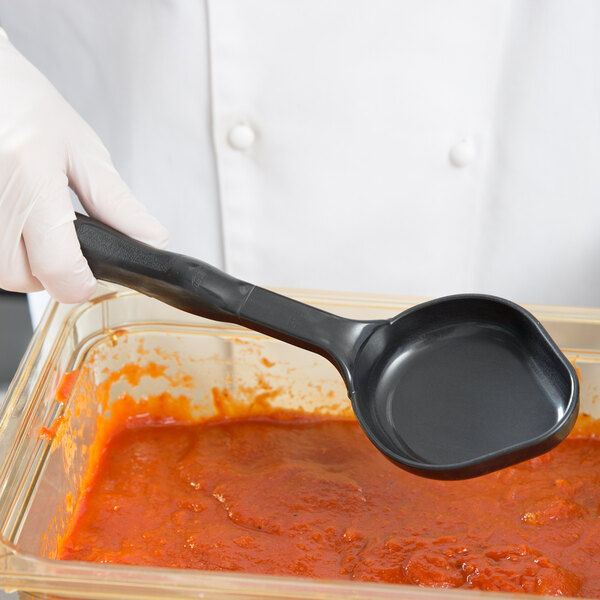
[419, 147]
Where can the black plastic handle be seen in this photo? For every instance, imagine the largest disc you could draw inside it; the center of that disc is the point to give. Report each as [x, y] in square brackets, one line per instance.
[201, 289]
[178, 280]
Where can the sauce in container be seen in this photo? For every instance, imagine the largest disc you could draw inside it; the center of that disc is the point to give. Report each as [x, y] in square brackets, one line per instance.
[293, 494]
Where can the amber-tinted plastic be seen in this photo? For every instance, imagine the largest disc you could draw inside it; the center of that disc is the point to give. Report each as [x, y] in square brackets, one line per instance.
[38, 476]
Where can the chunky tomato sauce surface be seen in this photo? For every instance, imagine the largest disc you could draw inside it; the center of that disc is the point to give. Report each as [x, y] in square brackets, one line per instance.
[312, 497]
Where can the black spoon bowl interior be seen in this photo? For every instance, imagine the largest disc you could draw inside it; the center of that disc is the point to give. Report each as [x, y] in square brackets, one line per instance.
[463, 385]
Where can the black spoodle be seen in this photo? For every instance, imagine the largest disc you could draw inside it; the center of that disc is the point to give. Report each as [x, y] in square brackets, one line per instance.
[448, 389]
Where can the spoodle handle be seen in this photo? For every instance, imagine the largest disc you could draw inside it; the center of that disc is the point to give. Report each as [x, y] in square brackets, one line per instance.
[201, 289]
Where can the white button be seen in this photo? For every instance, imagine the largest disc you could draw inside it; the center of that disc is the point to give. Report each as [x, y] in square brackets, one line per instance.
[463, 153]
[241, 136]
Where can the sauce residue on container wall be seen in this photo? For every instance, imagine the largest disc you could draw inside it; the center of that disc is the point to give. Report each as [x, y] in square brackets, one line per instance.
[308, 495]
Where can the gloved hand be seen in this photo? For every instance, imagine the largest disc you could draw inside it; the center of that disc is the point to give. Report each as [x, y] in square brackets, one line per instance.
[45, 146]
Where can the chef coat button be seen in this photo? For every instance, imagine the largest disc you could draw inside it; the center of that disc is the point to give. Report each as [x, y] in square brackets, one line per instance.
[463, 153]
[241, 136]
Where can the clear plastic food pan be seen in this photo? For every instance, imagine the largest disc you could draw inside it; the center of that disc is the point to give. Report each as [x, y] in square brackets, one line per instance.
[41, 475]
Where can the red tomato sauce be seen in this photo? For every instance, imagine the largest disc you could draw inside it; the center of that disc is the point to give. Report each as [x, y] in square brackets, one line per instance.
[312, 497]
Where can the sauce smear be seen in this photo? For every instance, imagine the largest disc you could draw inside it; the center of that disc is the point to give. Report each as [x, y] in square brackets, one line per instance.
[311, 497]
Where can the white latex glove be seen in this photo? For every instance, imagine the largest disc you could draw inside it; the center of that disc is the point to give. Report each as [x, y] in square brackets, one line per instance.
[45, 147]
